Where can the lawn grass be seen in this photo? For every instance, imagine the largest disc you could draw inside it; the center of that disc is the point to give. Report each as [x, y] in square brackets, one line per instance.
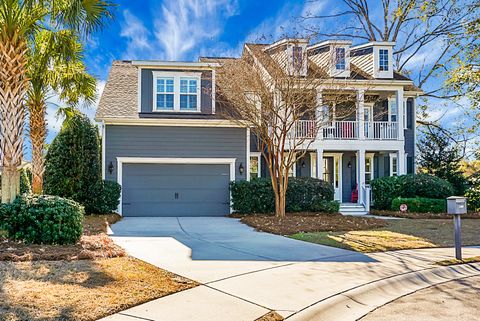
[474, 259]
[80, 290]
[398, 235]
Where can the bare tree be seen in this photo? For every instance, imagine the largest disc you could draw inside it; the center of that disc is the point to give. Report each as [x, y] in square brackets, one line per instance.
[434, 26]
[277, 100]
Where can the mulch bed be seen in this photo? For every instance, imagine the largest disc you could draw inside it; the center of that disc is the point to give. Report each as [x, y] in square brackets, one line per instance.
[271, 316]
[309, 222]
[420, 215]
[94, 244]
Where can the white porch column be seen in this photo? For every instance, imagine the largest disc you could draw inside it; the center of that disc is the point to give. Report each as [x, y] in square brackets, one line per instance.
[361, 173]
[360, 113]
[400, 115]
[401, 162]
[320, 163]
[320, 117]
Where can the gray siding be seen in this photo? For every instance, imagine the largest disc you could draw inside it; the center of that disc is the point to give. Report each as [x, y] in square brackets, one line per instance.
[160, 141]
[409, 133]
[349, 179]
[146, 100]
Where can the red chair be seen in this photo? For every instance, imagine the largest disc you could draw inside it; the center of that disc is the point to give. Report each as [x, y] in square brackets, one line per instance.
[354, 196]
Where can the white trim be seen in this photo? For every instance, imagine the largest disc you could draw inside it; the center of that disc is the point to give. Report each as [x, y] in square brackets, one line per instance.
[336, 157]
[139, 88]
[104, 131]
[370, 156]
[158, 63]
[390, 157]
[177, 77]
[172, 122]
[313, 165]
[167, 160]
[213, 91]
[247, 171]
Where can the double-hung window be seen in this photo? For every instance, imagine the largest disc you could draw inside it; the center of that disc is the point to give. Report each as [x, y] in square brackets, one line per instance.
[340, 58]
[383, 59]
[165, 93]
[176, 91]
[393, 164]
[297, 56]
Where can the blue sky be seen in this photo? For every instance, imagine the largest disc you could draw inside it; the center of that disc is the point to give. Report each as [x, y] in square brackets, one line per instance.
[186, 29]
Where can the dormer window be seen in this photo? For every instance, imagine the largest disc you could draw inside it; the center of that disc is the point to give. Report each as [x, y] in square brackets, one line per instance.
[340, 63]
[297, 53]
[383, 59]
[176, 91]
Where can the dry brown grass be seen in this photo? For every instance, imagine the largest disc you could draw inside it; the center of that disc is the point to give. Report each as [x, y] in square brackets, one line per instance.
[271, 316]
[474, 259]
[80, 290]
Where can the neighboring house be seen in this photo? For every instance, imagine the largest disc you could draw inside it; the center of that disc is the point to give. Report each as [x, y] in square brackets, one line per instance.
[166, 143]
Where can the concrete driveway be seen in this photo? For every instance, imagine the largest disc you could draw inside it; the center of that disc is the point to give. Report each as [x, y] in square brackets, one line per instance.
[208, 249]
[245, 274]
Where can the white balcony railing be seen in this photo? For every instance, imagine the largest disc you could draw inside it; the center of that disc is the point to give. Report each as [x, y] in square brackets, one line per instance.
[381, 130]
[345, 130]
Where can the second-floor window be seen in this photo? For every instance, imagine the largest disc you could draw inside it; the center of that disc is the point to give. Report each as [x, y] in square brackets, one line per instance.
[165, 93]
[297, 58]
[340, 58]
[176, 92]
[383, 59]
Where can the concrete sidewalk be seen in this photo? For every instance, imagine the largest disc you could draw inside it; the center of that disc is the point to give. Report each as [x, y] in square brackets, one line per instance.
[341, 286]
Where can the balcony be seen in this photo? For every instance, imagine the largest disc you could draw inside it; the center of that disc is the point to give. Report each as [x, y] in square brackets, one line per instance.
[346, 130]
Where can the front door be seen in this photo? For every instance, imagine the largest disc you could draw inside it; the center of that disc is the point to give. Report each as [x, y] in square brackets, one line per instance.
[332, 172]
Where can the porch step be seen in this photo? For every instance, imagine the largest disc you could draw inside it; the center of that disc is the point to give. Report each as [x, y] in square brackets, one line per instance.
[352, 209]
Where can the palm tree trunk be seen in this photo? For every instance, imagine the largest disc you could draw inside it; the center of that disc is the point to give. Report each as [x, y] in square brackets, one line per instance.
[13, 86]
[38, 133]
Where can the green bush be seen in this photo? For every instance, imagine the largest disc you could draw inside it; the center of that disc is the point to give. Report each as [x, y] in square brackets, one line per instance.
[25, 181]
[43, 219]
[72, 163]
[420, 204]
[473, 198]
[108, 197]
[385, 189]
[325, 206]
[255, 196]
[303, 193]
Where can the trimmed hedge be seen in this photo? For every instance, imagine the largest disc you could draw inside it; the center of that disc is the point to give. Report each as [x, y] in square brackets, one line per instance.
[420, 204]
[385, 189]
[43, 219]
[108, 197]
[303, 194]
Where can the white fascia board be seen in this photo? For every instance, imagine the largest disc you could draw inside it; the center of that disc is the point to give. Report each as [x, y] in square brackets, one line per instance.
[329, 43]
[174, 64]
[374, 43]
[171, 122]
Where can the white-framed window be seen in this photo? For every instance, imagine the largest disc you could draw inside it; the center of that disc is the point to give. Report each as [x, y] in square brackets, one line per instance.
[369, 168]
[176, 91]
[164, 93]
[255, 165]
[340, 63]
[393, 110]
[297, 56]
[393, 164]
[383, 59]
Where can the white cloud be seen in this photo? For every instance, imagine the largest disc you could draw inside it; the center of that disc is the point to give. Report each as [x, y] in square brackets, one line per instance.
[182, 26]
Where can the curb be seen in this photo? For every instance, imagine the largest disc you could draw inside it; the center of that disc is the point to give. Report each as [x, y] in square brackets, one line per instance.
[355, 303]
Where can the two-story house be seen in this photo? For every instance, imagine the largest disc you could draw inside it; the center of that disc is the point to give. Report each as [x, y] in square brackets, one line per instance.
[165, 141]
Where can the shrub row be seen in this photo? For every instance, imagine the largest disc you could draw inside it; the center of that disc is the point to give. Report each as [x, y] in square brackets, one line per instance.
[385, 189]
[473, 198]
[43, 219]
[303, 194]
[421, 204]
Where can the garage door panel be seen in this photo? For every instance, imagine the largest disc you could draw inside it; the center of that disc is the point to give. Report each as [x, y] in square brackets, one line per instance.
[175, 190]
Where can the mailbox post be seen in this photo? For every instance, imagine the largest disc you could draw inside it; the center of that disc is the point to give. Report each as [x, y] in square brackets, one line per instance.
[457, 206]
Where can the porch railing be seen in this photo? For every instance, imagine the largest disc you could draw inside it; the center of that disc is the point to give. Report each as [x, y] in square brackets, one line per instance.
[344, 130]
[381, 130]
[367, 194]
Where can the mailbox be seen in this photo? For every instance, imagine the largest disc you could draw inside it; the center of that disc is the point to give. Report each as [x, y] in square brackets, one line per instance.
[456, 205]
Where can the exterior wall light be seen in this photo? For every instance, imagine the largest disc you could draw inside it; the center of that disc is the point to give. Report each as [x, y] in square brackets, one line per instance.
[303, 164]
[241, 169]
[110, 168]
[349, 165]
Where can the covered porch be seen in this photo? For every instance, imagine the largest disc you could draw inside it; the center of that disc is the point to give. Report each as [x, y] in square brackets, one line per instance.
[351, 171]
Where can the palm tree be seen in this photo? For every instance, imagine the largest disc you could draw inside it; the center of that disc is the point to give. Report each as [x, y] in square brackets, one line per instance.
[54, 63]
[19, 21]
